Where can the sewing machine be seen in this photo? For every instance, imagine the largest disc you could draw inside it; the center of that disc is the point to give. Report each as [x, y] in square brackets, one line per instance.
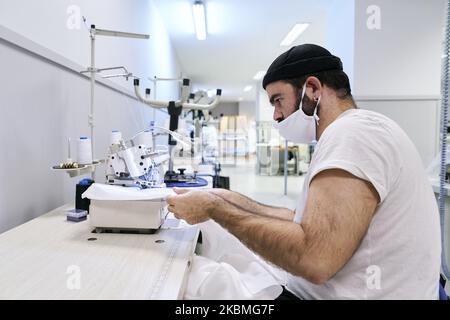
[125, 203]
[174, 109]
[137, 165]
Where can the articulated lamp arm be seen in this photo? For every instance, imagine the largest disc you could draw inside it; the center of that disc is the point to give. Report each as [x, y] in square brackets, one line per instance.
[152, 103]
[212, 105]
[184, 104]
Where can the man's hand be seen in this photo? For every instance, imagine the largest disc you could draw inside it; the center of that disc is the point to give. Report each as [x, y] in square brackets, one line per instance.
[193, 206]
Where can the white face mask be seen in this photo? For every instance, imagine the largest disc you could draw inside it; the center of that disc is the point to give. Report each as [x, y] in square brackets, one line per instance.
[299, 127]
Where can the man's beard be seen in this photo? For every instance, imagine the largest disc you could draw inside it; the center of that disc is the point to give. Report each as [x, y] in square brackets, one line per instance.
[308, 105]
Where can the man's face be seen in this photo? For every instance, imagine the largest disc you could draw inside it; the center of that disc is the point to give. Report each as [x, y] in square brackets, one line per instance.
[284, 98]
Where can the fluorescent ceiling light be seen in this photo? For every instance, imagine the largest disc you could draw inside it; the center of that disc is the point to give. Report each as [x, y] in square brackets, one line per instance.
[248, 88]
[198, 10]
[258, 76]
[295, 32]
[240, 99]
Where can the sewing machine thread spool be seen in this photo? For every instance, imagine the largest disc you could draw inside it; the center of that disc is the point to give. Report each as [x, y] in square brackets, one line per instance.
[115, 137]
[84, 150]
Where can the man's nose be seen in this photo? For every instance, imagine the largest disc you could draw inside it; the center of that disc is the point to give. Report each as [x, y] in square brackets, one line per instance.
[277, 115]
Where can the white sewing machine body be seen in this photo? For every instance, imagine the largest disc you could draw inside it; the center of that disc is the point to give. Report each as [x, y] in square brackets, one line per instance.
[137, 165]
[123, 209]
[133, 198]
[127, 216]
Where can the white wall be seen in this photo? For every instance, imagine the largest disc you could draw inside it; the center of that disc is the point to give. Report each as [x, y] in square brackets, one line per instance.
[45, 22]
[341, 33]
[248, 109]
[226, 108]
[404, 56]
[265, 110]
[44, 102]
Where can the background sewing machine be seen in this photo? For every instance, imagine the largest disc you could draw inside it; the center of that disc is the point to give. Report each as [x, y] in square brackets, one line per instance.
[175, 108]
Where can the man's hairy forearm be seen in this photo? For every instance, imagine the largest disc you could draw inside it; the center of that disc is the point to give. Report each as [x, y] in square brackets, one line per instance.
[247, 204]
[279, 241]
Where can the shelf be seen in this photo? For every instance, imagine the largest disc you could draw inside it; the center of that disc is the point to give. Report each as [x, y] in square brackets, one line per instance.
[82, 170]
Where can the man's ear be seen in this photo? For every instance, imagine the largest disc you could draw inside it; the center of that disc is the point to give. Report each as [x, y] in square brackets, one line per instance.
[315, 86]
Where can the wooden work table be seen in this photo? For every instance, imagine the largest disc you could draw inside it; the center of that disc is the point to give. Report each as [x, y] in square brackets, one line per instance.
[52, 258]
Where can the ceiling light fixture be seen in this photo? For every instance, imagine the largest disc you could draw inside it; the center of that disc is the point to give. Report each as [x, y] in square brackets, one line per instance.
[248, 88]
[259, 75]
[198, 10]
[295, 32]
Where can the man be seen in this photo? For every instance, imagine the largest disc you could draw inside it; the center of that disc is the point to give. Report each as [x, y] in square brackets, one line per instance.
[366, 225]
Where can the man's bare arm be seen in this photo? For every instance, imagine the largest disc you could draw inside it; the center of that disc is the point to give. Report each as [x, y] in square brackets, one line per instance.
[247, 204]
[336, 218]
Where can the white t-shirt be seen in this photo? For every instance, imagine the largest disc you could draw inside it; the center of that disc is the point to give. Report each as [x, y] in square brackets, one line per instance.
[399, 257]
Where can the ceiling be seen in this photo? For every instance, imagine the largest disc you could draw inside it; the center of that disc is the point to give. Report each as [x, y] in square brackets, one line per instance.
[243, 38]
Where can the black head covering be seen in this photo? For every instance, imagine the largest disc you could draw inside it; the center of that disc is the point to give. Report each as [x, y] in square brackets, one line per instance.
[300, 61]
